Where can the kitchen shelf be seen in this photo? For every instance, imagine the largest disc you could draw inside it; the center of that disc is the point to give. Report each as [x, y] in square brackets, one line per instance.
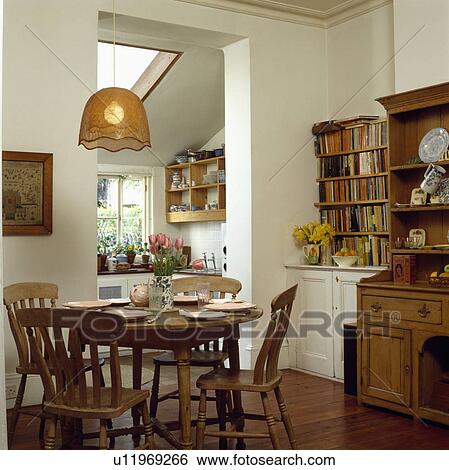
[351, 203]
[196, 216]
[419, 251]
[198, 196]
[207, 161]
[360, 234]
[421, 208]
[349, 152]
[353, 177]
[416, 166]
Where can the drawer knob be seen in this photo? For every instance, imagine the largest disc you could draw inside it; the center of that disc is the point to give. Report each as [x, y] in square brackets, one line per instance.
[376, 307]
[407, 369]
[423, 311]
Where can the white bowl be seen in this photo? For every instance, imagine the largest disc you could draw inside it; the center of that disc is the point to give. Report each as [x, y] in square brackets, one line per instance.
[345, 261]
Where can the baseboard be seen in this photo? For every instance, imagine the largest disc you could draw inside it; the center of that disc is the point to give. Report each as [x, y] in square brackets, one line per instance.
[315, 374]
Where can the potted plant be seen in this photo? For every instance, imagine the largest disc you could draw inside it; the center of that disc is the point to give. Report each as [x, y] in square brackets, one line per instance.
[315, 235]
[166, 254]
[120, 254]
[103, 244]
[145, 254]
[131, 252]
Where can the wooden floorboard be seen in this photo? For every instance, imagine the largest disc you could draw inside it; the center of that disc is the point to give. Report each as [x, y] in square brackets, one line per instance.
[323, 418]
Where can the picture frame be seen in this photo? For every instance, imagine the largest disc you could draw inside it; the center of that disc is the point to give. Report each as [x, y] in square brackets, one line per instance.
[27, 193]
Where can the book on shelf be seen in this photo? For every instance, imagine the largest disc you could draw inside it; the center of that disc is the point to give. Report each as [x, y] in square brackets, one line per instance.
[356, 134]
[365, 163]
[366, 189]
[357, 218]
[371, 250]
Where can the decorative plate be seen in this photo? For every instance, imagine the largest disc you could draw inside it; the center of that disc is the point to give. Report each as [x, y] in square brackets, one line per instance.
[420, 234]
[433, 145]
[120, 302]
[88, 304]
[203, 315]
[186, 299]
[230, 307]
[443, 191]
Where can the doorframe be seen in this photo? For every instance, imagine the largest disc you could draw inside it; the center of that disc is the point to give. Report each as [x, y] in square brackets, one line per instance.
[3, 424]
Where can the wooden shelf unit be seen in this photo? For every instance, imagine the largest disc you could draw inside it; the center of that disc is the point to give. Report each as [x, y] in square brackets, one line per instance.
[339, 132]
[198, 195]
[410, 116]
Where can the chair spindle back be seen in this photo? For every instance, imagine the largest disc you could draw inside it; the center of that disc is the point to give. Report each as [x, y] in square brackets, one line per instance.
[26, 295]
[65, 353]
[266, 368]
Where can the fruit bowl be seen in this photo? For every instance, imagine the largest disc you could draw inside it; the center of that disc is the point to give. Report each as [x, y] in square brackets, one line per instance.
[345, 261]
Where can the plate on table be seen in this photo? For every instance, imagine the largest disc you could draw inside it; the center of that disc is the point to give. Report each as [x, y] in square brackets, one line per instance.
[433, 145]
[135, 316]
[185, 299]
[203, 315]
[230, 307]
[119, 302]
[88, 304]
[225, 301]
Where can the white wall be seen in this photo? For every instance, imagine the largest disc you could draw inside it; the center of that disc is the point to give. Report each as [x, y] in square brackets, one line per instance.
[215, 141]
[421, 40]
[361, 63]
[45, 86]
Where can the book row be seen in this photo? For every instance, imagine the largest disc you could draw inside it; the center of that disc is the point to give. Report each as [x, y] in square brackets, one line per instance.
[364, 189]
[365, 163]
[355, 137]
[372, 250]
[357, 218]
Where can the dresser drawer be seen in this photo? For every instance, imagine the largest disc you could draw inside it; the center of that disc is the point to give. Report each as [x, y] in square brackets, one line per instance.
[423, 311]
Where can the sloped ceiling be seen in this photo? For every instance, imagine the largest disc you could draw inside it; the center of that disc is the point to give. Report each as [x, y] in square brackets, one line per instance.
[187, 107]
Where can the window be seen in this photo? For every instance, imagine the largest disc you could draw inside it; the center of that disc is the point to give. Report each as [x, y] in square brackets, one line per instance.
[136, 68]
[122, 208]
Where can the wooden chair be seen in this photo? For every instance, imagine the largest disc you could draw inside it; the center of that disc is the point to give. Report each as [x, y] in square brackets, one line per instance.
[209, 355]
[19, 296]
[66, 392]
[265, 378]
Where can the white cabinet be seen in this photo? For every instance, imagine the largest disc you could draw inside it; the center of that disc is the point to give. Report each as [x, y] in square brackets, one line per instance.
[327, 298]
[117, 286]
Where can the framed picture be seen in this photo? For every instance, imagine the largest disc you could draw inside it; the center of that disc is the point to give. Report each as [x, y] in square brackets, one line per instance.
[27, 193]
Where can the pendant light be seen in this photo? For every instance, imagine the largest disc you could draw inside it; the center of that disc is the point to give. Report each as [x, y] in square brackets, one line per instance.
[114, 118]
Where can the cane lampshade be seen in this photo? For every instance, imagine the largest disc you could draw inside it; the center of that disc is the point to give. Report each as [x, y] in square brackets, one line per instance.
[114, 119]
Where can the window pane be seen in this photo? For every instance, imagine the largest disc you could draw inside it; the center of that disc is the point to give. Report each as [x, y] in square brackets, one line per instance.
[132, 209]
[107, 211]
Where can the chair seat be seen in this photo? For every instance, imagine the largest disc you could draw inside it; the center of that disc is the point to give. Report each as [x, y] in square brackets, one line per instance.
[32, 368]
[199, 358]
[129, 399]
[226, 379]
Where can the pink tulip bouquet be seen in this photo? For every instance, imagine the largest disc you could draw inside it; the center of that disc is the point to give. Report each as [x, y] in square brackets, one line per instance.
[166, 253]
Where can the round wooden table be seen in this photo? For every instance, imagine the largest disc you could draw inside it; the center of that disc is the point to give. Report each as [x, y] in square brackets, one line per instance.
[176, 333]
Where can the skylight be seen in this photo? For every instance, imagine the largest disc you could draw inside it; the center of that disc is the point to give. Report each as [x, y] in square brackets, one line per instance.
[130, 63]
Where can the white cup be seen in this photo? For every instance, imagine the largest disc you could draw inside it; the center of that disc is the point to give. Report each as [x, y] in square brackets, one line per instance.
[432, 178]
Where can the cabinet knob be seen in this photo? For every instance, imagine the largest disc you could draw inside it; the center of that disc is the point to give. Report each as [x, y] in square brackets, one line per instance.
[407, 369]
[337, 279]
[423, 311]
[376, 307]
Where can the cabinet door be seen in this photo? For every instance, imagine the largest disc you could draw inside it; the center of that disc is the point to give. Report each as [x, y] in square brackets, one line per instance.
[345, 311]
[386, 364]
[312, 322]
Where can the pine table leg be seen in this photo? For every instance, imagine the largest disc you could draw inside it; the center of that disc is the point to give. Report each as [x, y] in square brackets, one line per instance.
[183, 354]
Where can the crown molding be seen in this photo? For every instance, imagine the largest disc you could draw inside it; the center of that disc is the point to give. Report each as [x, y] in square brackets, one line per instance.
[295, 14]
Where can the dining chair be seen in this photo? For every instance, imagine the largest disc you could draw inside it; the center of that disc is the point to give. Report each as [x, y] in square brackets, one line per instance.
[61, 367]
[20, 296]
[264, 379]
[207, 355]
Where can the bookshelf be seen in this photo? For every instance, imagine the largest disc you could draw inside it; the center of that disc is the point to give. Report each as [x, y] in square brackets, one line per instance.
[410, 116]
[197, 196]
[352, 167]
